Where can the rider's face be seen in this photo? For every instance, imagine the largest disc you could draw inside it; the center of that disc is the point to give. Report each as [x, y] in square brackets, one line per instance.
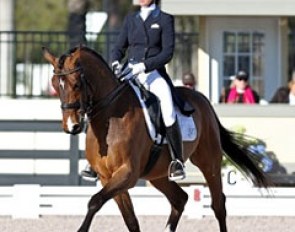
[145, 2]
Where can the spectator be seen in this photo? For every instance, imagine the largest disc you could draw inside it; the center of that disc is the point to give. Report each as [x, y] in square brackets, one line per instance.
[189, 80]
[225, 90]
[285, 94]
[241, 92]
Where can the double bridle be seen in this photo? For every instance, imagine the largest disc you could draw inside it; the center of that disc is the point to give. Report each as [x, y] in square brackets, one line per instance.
[82, 106]
[85, 103]
[67, 71]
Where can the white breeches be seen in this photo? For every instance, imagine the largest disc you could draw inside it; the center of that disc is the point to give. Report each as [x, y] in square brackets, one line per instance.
[155, 83]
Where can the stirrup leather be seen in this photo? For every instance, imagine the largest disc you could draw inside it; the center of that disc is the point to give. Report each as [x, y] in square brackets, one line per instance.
[176, 170]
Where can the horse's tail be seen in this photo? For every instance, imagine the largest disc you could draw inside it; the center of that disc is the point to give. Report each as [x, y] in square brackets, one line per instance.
[237, 152]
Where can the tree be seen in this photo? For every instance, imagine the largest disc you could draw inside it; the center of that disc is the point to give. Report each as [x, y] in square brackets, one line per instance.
[45, 15]
[77, 21]
[52, 15]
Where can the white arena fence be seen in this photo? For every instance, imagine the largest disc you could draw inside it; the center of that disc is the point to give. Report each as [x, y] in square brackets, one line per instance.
[33, 201]
[32, 159]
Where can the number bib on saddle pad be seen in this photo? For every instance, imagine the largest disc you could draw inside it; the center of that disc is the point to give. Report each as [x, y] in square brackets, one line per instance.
[186, 124]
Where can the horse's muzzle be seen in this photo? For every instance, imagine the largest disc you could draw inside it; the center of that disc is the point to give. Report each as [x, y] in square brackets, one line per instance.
[75, 128]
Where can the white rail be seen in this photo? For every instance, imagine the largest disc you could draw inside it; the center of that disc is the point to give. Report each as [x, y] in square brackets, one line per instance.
[32, 201]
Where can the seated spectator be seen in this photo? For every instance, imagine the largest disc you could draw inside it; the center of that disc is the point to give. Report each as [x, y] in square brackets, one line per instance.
[189, 81]
[225, 90]
[285, 94]
[241, 92]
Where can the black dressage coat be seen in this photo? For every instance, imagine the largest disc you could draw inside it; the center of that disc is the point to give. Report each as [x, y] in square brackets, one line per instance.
[150, 41]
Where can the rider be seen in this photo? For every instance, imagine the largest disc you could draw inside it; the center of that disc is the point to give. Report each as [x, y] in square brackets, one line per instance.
[149, 35]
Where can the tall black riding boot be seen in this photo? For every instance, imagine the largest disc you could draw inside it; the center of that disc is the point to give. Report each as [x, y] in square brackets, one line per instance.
[174, 139]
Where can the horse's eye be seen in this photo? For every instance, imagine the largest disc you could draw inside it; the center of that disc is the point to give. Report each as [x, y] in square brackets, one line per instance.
[77, 86]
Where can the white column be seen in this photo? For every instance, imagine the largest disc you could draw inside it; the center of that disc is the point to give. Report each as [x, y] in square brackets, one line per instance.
[6, 56]
[203, 60]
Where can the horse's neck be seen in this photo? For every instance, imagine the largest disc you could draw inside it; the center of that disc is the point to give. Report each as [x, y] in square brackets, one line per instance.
[101, 79]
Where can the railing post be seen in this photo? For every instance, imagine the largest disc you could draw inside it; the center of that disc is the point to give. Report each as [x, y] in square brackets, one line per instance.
[74, 160]
[195, 205]
[26, 201]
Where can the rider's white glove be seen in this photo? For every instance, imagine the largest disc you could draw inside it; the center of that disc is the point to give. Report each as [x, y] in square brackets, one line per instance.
[138, 68]
[117, 67]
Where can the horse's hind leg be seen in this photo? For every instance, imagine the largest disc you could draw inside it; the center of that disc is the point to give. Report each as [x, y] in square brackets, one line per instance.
[177, 198]
[218, 200]
[126, 207]
[211, 168]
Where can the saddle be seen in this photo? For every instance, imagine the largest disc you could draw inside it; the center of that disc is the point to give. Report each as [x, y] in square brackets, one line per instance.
[152, 104]
[153, 117]
[154, 120]
[184, 106]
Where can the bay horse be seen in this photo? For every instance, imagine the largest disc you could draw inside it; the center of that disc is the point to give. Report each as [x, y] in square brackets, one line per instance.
[118, 144]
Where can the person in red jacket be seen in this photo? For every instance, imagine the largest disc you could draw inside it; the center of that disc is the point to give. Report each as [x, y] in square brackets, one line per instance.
[241, 92]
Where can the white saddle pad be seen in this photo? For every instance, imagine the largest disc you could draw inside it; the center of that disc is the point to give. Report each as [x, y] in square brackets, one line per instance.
[186, 124]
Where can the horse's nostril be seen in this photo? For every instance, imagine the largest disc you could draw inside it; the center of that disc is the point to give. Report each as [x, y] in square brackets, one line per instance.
[76, 129]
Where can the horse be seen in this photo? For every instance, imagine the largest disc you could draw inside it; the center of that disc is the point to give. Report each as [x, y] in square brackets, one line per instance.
[118, 144]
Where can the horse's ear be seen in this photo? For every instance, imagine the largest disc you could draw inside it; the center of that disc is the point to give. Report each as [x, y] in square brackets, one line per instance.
[76, 53]
[49, 56]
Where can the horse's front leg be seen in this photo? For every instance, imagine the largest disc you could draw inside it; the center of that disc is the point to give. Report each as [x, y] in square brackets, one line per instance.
[95, 203]
[125, 205]
[121, 180]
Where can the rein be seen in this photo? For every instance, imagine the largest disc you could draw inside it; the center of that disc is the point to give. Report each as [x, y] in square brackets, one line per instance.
[106, 101]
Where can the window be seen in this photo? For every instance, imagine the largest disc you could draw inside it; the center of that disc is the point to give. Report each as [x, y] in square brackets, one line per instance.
[244, 51]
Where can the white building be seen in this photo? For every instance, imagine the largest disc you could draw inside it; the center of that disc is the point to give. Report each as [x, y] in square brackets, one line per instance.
[250, 35]
[239, 34]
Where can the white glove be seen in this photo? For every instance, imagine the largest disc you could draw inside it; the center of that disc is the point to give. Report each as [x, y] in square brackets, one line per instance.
[138, 68]
[117, 67]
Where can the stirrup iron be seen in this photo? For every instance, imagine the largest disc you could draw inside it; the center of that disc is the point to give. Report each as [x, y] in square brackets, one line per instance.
[176, 170]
